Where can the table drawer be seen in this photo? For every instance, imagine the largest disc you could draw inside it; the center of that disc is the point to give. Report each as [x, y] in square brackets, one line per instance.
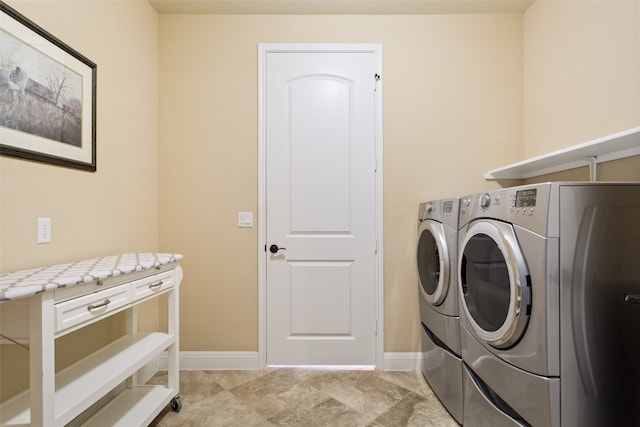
[88, 307]
[151, 285]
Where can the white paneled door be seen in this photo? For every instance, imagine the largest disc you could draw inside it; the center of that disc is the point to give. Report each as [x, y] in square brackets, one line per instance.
[321, 193]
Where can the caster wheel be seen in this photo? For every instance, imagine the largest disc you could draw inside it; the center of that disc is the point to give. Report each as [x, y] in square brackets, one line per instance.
[176, 404]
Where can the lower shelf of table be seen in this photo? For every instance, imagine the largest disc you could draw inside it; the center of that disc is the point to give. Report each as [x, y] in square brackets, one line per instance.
[85, 382]
[133, 407]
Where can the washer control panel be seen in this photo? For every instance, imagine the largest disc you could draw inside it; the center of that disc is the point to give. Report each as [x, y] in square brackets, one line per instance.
[445, 211]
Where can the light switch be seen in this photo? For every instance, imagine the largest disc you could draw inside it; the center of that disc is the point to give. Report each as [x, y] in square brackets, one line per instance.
[245, 219]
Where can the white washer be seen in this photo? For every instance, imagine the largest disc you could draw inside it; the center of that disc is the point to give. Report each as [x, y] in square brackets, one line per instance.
[548, 277]
[438, 296]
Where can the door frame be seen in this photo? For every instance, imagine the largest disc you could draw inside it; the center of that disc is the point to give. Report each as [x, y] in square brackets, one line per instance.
[263, 50]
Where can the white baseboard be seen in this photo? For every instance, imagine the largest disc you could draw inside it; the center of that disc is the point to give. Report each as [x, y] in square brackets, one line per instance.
[215, 360]
[404, 361]
[249, 360]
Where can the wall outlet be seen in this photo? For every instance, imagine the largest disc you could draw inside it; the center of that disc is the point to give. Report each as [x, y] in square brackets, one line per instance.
[44, 230]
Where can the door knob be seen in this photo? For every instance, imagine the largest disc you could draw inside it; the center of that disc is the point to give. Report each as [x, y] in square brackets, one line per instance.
[274, 249]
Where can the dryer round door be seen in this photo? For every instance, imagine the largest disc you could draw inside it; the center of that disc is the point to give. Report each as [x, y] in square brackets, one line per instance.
[433, 262]
[495, 288]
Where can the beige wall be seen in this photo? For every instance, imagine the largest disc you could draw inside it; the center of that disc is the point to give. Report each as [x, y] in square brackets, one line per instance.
[453, 91]
[582, 72]
[93, 214]
[116, 208]
[452, 107]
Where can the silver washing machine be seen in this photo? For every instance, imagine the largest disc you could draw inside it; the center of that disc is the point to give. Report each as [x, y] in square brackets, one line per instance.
[550, 305]
[438, 290]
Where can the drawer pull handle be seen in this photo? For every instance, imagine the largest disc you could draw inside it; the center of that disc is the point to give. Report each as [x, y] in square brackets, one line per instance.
[157, 284]
[102, 304]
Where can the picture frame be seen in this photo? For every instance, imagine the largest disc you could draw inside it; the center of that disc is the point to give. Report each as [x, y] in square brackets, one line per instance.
[47, 96]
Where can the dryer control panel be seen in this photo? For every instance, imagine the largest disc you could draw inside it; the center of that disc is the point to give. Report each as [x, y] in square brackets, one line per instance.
[524, 205]
[524, 201]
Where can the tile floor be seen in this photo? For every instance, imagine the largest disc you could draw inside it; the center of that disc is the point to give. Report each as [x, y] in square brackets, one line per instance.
[309, 398]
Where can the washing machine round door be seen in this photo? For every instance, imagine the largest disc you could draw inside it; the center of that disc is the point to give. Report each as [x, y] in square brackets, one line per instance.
[433, 262]
[494, 283]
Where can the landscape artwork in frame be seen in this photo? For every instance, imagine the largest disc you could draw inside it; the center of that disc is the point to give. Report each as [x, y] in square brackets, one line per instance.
[47, 96]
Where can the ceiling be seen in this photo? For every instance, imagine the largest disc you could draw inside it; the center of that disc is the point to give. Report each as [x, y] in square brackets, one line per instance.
[337, 7]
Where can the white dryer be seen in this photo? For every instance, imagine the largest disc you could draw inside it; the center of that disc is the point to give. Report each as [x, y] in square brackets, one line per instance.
[548, 284]
[438, 297]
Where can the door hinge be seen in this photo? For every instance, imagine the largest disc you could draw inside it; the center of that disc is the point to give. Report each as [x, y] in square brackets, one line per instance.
[377, 77]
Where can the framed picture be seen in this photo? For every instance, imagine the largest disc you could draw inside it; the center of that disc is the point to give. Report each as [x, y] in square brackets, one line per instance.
[47, 96]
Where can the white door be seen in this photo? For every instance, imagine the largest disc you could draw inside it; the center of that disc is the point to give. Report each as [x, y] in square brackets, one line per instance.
[321, 207]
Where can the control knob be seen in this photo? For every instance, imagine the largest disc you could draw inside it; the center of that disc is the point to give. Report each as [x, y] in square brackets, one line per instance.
[485, 200]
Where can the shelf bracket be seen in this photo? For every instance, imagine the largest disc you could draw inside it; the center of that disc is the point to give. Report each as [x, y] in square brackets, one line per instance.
[593, 168]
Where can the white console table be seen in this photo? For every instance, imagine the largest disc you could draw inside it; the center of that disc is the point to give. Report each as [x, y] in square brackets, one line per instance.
[64, 298]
